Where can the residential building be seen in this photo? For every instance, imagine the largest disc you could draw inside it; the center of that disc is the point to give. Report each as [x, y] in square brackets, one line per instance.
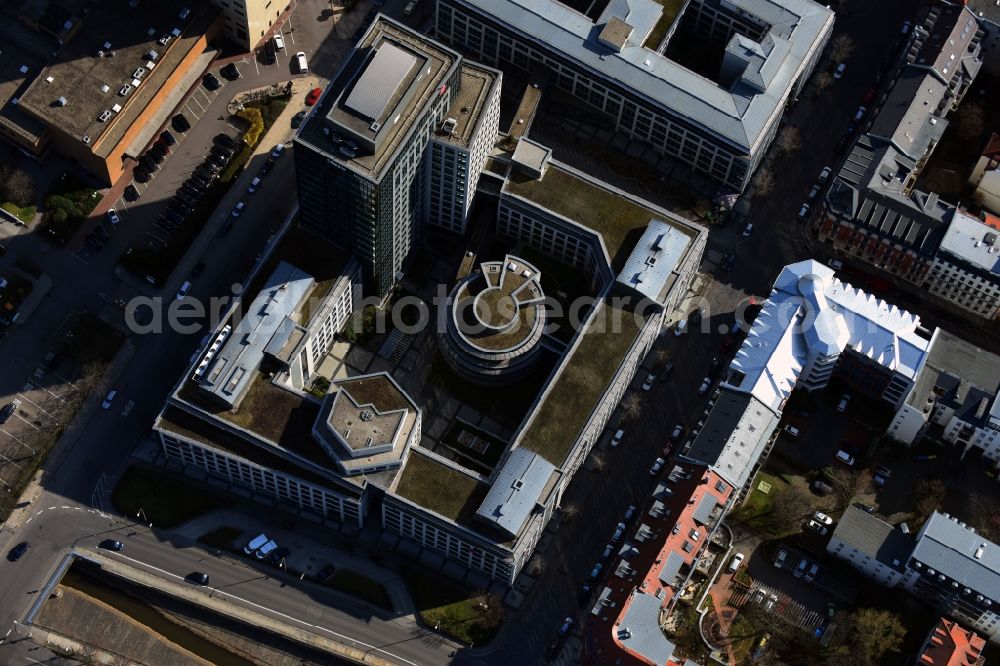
[367, 179]
[613, 59]
[246, 22]
[103, 97]
[872, 546]
[958, 571]
[985, 176]
[460, 145]
[652, 567]
[954, 399]
[988, 14]
[874, 213]
[951, 644]
[966, 268]
[811, 328]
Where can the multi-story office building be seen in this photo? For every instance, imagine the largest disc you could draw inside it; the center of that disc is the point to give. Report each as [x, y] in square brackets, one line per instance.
[966, 267]
[246, 22]
[718, 123]
[460, 145]
[365, 181]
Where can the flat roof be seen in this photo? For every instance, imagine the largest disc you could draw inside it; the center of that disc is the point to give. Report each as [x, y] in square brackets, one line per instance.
[740, 114]
[973, 241]
[519, 486]
[499, 307]
[584, 377]
[18, 68]
[380, 81]
[441, 489]
[78, 72]
[592, 204]
[952, 357]
[233, 366]
[477, 84]
[654, 260]
[956, 551]
[408, 101]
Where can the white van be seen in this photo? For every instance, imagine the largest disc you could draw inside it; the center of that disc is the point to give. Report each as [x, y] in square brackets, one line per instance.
[255, 543]
[266, 549]
[300, 59]
[279, 41]
[183, 291]
[845, 457]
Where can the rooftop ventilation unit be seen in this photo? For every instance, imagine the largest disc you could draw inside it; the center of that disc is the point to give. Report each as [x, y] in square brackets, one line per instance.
[151, 32]
[139, 73]
[23, 69]
[104, 116]
[152, 55]
[116, 108]
[449, 125]
[107, 46]
[162, 41]
[375, 126]
[61, 101]
[49, 79]
[125, 90]
[86, 139]
[105, 88]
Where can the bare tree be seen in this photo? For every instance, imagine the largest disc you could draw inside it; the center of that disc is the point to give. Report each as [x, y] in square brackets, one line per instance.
[848, 484]
[788, 140]
[631, 407]
[661, 356]
[841, 46]
[971, 121]
[18, 187]
[930, 494]
[822, 81]
[763, 183]
[570, 511]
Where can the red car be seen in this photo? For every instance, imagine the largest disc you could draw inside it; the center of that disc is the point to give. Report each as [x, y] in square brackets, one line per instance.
[313, 96]
[869, 96]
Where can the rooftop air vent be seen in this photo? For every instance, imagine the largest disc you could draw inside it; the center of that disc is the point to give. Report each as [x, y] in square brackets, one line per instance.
[139, 73]
[125, 90]
[116, 108]
[105, 114]
[105, 88]
[375, 126]
[61, 101]
[23, 69]
[152, 55]
[49, 79]
[151, 32]
[107, 46]
[448, 126]
[86, 139]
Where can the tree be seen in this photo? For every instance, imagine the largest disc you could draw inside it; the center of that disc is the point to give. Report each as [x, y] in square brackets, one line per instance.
[763, 182]
[631, 407]
[930, 494]
[18, 187]
[872, 633]
[788, 140]
[570, 511]
[971, 121]
[822, 81]
[848, 484]
[841, 46]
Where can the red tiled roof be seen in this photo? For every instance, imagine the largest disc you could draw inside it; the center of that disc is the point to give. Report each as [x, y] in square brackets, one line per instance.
[684, 537]
[951, 644]
[992, 149]
[991, 221]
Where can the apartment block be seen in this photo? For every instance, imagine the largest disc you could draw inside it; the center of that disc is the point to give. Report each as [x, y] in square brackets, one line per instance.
[246, 22]
[872, 546]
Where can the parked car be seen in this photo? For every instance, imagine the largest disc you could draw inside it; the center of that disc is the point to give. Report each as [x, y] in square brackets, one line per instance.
[255, 543]
[111, 544]
[812, 573]
[225, 140]
[230, 72]
[736, 562]
[198, 269]
[729, 261]
[197, 577]
[619, 531]
[680, 327]
[882, 474]
[566, 626]
[822, 518]
[839, 72]
[748, 230]
[608, 551]
[140, 174]
[816, 527]
[254, 184]
[109, 398]
[8, 410]
[278, 150]
[845, 400]
[267, 166]
[277, 555]
[325, 573]
[18, 551]
[668, 367]
[824, 175]
[650, 380]
[297, 119]
[906, 27]
[180, 123]
[279, 41]
[630, 511]
[845, 457]
[779, 559]
[791, 430]
[860, 113]
[112, 217]
[211, 81]
[821, 488]
[677, 433]
[221, 161]
[168, 138]
[238, 209]
[596, 571]
[616, 439]
[657, 466]
[801, 568]
[266, 549]
[303, 64]
[705, 385]
[803, 212]
[771, 601]
[313, 96]
[173, 216]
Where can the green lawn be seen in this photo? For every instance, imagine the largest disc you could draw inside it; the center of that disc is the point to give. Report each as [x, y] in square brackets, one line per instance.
[24, 213]
[361, 587]
[165, 501]
[582, 382]
[671, 8]
[451, 610]
[224, 537]
[67, 205]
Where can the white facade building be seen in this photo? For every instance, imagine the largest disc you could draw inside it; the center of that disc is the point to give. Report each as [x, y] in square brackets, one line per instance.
[872, 546]
[966, 268]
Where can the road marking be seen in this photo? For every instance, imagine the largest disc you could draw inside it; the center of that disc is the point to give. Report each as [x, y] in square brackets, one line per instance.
[65, 506]
[79, 258]
[46, 390]
[235, 127]
[271, 610]
[195, 100]
[35, 403]
[28, 520]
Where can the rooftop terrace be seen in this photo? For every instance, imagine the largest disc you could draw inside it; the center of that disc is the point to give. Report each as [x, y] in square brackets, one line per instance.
[585, 377]
[612, 215]
[476, 84]
[441, 489]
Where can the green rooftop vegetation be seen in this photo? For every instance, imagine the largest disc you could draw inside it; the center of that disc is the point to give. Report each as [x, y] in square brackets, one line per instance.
[439, 488]
[671, 8]
[582, 382]
[604, 212]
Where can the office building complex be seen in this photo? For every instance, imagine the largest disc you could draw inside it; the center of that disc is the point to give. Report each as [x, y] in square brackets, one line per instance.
[460, 145]
[873, 210]
[246, 22]
[613, 59]
[361, 156]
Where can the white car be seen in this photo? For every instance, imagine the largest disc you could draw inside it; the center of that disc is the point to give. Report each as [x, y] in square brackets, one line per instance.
[705, 385]
[183, 290]
[791, 430]
[113, 217]
[748, 230]
[648, 384]
[860, 113]
[779, 560]
[906, 27]
[824, 175]
[278, 150]
[804, 212]
[680, 327]
[279, 41]
[822, 518]
[845, 400]
[839, 72]
[630, 511]
[816, 527]
[238, 209]
[109, 398]
[619, 531]
[300, 60]
[678, 431]
[845, 457]
[254, 184]
[737, 561]
[657, 466]
[616, 439]
[813, 193]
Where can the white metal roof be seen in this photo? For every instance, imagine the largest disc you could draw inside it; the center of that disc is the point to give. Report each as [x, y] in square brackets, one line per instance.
[379, 82]
[642, 622]
[973, 241]
[516, 490]
[654, 259]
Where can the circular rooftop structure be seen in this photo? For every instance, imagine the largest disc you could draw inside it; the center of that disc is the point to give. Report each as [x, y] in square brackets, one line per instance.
[494, 322]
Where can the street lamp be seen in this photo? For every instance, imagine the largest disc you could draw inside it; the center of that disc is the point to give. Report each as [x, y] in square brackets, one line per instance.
[142, 514]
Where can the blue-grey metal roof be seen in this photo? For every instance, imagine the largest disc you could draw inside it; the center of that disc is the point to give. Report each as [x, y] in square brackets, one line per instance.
[378, 83]
[654, 259]
[950, 549]
[280, 337]
[874, 537]
[740, 115]
[703, 511]
[642, 621]
[237, 362]
[671, 567]
[516, 490]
